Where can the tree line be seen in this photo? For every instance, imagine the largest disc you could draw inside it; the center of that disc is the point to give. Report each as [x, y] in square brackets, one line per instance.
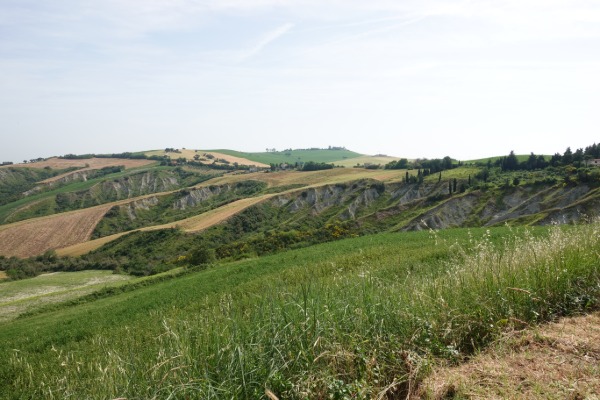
[533, 162]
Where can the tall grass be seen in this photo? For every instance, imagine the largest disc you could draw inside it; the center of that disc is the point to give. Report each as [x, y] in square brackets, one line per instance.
[362, 325]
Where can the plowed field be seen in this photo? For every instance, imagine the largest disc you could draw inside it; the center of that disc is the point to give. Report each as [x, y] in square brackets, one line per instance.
[34, 237]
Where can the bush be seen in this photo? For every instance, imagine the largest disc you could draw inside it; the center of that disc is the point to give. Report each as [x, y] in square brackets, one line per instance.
[202, 256]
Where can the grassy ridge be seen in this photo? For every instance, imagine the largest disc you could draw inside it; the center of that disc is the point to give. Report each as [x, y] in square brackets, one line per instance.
[293, 156]
[355, 318]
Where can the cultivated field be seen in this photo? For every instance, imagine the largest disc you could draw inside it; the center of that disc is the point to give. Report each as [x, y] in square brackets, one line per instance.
[189, 155]
[27, 295]
[32, 237]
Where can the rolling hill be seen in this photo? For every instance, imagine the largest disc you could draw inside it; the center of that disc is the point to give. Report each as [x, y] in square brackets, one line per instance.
[280, 283]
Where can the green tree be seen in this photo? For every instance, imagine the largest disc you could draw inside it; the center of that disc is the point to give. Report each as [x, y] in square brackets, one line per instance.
[202, 255]
[567, 157]
[510, 163]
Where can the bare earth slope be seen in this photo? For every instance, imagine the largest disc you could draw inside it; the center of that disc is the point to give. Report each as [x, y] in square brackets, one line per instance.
[555, 361]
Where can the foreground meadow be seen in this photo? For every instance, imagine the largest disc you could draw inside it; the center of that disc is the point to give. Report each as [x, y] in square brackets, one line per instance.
[359, 318]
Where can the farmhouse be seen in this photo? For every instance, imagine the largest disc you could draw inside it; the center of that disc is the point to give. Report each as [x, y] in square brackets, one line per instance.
[593, 163]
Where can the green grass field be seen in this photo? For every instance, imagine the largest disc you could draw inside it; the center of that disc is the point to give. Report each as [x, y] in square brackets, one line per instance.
[293, 156]
[358, 318]
[28, 295]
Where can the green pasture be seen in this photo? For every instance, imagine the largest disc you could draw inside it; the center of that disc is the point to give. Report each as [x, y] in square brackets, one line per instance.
[27, 295]
[293, 156]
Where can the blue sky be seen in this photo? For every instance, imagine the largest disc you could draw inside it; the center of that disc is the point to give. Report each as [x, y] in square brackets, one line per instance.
[414, 78]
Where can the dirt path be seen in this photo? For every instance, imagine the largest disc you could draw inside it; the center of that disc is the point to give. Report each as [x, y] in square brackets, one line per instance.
[555, 361]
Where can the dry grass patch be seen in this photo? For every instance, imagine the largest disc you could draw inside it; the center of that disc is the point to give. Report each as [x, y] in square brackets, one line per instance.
[33, 237]
[3, 275]
[555, 361]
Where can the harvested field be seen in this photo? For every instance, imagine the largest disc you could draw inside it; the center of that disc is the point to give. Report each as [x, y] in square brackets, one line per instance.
[78, 249]
[239, 160]
[193, 224]
[213, 217]
[189, 155]
[33, 237]
[555, 361]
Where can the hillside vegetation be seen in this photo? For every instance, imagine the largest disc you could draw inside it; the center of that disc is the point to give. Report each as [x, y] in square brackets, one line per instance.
[292, 156]
[301, 280]
[83, 189]
[359, 318]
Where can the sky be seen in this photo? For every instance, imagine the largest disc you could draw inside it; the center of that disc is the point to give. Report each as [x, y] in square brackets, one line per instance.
[408, 78]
